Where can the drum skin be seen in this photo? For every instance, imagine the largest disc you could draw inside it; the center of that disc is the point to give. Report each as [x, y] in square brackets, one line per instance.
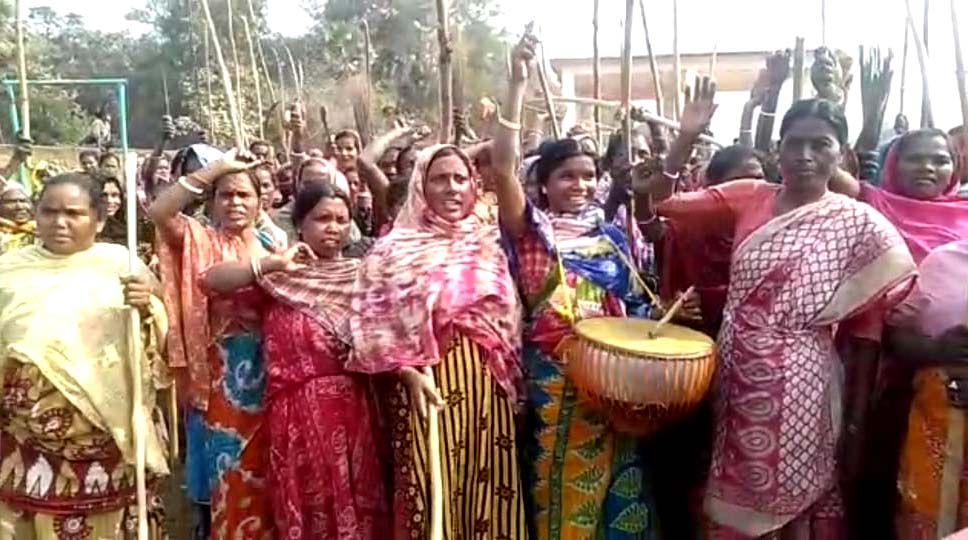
[641, 383]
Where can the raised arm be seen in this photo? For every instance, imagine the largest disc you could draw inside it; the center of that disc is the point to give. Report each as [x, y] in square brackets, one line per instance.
[231, 276]
[510, 195]
[166, 210]
[778, 68]
[875, 90]
[151, 164]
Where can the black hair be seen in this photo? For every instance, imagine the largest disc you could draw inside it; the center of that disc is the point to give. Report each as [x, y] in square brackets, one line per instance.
[616, 144]
[554, 153]
[308, 198]
[259, 142]
[357, 141]
[256, 185]
[726, 160]
[106, 156]
[404, 152]
[821, 109]
[88, 152]
[184, 162]
[452, 151]
[85, 183]
[924, 133]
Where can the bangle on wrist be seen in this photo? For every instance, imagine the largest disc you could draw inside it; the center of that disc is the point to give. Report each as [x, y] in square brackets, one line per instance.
[195, 190]
[256, 265]
[671, 176]
[746, 131]
[651, 220]
[513, 126]
[771, 114]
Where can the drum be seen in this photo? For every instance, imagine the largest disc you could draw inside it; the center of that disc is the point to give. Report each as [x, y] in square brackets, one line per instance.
[640, 382]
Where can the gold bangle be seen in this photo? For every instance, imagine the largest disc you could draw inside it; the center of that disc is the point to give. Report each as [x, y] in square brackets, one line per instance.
[514, 126]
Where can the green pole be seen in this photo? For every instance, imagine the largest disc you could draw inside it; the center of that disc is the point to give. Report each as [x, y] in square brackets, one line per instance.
[15, 124]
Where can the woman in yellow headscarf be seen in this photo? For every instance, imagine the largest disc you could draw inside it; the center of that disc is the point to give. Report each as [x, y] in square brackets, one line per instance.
[66, 443]
[17, 224]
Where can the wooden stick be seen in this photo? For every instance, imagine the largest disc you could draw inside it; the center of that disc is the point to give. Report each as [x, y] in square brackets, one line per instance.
[445, 85]
[164, 89]
[208, 85]
[436, 470]
[671, 312]
[960, 69]
[671, 124]
[238, 65]
[191, 45]
[173, 442]
[135, 353]
[549, 102]
[279, 74]
[295, 72]
[457, 90]
[596, 71]
[653, 64]
[927, 113]
[799, 60]
[627, 119]
[262, 56]
[926, 116]
[24, 99]
[677, 59]
[823, 22]
[367, 80]
[255, 75]
[226, 78]
[904, 64]
[713, 60]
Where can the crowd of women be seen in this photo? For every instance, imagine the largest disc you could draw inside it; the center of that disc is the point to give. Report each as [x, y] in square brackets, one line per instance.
[314, 310]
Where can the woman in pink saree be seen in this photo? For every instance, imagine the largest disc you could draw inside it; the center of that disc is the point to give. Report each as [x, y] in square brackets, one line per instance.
[806, 262]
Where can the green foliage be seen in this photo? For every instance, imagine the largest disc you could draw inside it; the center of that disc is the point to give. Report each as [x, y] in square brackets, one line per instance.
[403, 69]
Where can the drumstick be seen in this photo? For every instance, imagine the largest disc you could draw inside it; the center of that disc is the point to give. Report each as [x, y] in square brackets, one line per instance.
[671, 313]
[635, 273]
[436, 474]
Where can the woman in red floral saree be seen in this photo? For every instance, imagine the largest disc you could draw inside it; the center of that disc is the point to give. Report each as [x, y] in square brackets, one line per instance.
[806, 262]
[325, 473]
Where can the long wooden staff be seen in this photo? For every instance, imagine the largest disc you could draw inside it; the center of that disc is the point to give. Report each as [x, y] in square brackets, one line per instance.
[436, 470]
[446, 99]
[367, 76]
[235, 61]
[926, 115]
[549, 102]
[208, 86]
[627, 120]
[255, 75]
[677, 59]
[226, 79]
[960, 69]
[596, 71]
[799, 59]
[135, 353]
[22, 74]
[904, 65]
[262, 56]
[653, 63]
[295, 71]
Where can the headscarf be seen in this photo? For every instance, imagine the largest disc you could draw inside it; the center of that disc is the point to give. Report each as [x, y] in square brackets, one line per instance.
[430, 279]
[924, 225]
[14, 235]
[337, 178]
[322, 291]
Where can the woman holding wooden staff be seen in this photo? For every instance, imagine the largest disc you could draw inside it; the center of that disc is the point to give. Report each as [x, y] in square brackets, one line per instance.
[66, 437]
[215, 342]
[584, 479]
[435, 308]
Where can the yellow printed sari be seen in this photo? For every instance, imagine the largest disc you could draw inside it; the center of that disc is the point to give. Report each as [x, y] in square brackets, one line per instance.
[66, 443]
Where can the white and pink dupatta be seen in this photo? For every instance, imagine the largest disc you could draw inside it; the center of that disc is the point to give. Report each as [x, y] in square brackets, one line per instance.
[779, 383]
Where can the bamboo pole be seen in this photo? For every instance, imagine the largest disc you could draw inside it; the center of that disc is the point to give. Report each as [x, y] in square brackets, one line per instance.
[226, 78]
[238, 65]
[262, 56]
[596, 71]
[799, 60]
[208, 85]
[653, 64]
[960, 72]
[367, 75]
[436, 469]
[926, 116]
[295, 72]
[191, 45]
[446, 75]
[904, 65]
[823, 22]
[713, 60]
[24, 99]
[549, 102]
[255, 76]
[677, 60]
[457, 84]
[627, 117]
[139, 420]
[280, 76]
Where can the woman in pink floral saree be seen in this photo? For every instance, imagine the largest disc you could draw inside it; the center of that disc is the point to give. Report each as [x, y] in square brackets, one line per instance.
[806, 262]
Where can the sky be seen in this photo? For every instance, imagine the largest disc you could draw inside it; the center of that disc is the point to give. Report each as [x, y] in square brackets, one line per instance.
[724, 25]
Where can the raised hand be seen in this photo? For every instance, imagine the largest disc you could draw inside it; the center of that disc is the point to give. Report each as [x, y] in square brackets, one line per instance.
[233, 161]
[291, 260]
[699, 107]
[167, 128]
[778, 69]
[523, 56]
[296, 122]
